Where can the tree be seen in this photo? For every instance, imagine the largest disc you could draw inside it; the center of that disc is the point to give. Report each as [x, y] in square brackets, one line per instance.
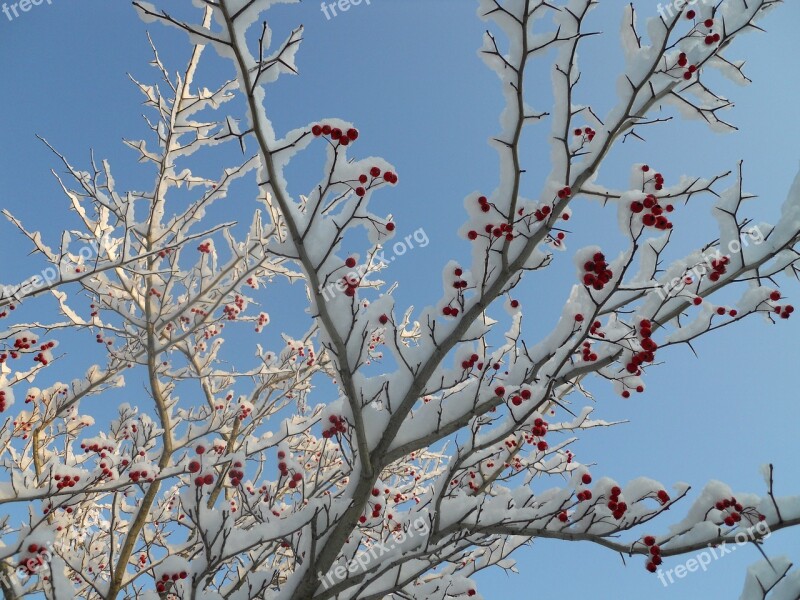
[432, 461]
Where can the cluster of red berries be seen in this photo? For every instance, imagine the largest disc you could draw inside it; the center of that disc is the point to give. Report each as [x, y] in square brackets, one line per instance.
[374, 172]
[350, 283]
[295, 478]
[41, 358]
[597, 272]
[39, 555]
[733, 512]
[541, 445]
[3, 400]
[783, 311]
[655, 553]
[23, 343]
[338, 425]
[655, 217]
[245, 410]
[377, 507]
[100, 446]
[4, 356]
[263, 319]
[683, 61]
[66, 481]
[101, 340]
[541, 213]
[718, 268]
[142, 474]
[614, 504]
[236, 474]
[585, 495]
[205, 248]
[722, 310]
[564, 193]
[501, 230]
[657, 180]
[588, 355]
[588, 132]
[483, 202]
[202, 480]
[517, 399]
[469, 364]
[161, 586]
[649, 348]
[450, 311]
[231, 311]
[336, 134]
[711, 38]
[459, 283]
[164, 252]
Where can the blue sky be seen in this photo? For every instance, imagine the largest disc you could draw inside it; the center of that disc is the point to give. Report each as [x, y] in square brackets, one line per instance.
[407, 73]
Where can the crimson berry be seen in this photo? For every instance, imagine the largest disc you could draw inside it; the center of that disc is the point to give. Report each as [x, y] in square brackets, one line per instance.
[390, 226]
[350, 262]
[316, 130]
[649, 540]
[586, 479]
[690, 14]
[194, 466]
[352, 134]
[383, 319]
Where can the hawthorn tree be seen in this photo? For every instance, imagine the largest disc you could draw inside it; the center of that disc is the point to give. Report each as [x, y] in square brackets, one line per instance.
[432, 454]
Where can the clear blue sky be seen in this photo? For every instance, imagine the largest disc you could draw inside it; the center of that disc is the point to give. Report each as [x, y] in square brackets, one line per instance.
[407, 73]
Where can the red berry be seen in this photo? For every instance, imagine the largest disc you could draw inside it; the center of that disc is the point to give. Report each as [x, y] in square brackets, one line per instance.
[350, 262]
[586, 479]
[690, 14]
